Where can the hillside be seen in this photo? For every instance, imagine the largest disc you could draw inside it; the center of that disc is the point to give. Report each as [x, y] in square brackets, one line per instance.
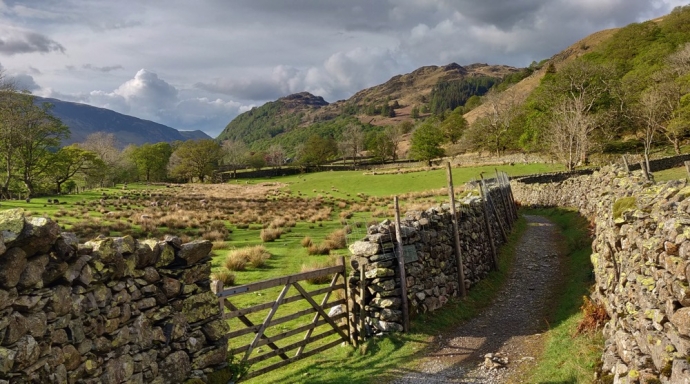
[84, 120]
[302, 110]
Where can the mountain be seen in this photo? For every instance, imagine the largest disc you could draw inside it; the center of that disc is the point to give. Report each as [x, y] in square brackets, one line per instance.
[301, 110]
[84, 120]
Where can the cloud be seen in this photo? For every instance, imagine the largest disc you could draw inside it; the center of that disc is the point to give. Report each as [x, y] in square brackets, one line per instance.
[15, 41]
[150, 97]
[107, 68]
[24, 82]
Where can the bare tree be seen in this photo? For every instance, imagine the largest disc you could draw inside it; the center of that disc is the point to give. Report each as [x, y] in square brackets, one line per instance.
[491, 131]
[234, 154]
[577, 89]
[275, 156]
[352, 142]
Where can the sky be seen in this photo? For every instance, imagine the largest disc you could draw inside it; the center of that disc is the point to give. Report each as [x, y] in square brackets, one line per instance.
[198, 64]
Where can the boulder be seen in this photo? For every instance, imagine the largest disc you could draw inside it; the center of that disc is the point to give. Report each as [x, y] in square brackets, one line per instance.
[194, 251]
[364, 248]
[12, 265]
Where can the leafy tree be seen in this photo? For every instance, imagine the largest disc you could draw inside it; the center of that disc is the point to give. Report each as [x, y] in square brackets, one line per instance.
[454, 125]
[152, 160]
[234, 154]
[414, 113]
[473, 102]
[39, 131]
[426, 142]
[317, 150]
[448, 95]
[256, 160]
[70, 161]
[195, 158]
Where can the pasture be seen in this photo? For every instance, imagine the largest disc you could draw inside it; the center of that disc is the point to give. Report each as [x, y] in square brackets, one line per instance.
[268, 228]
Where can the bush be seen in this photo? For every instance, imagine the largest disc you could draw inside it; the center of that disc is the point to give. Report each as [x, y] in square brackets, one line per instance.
[270, 234]
[214, 235]
[319, 249]
[256, 255]
[235, 262]
[337, 239]
[314, 266]
[306, 242]
[227, 277]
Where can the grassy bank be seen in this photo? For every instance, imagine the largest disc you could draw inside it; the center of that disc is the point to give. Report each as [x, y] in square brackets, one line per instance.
[570, 357]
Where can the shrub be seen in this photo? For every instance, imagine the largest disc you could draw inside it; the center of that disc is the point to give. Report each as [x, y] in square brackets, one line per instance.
[306, 242]
[227, 277]
[256, 255]
[319, 249]
[217, 245]
[337, 239]
[594, 316]
[235, 262]
[314, 266]
[214, 235]
[270, 234]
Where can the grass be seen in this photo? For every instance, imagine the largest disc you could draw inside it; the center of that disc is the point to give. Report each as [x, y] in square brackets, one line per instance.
[677, 173]
[570, 357]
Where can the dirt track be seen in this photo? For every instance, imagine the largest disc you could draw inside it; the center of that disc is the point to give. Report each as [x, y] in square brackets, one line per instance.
[511, 326]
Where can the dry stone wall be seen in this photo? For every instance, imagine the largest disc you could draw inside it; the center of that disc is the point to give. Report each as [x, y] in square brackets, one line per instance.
[431, 262]
[112, 310]
[641, 260]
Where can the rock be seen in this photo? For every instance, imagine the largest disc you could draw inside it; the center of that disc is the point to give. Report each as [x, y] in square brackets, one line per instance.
[216, 330]
[38, 235]
[379, 272]
[199, 307]
[11, 224]
[61, 300]
[125, 245]
[147, 252]
[194, 251]
[12, 265]
[167, 255]
[17, 327]
[213, 357]
[53, 271]
[7, 359]
[33, 273]
[118, 370]
[681, 319]
[7, 297]
[176, 367]
[28, 352]
[72, 357]
[170, 287]
[364, 248]
[388, 302]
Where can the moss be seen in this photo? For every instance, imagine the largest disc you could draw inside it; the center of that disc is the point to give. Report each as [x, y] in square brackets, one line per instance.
[652, 380]
[606, 379]
[623, 204]
[222, 376]
[667, 369]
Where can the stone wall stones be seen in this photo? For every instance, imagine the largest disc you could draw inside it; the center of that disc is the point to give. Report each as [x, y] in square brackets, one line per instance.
[112, 310]
[640, 257]
[431, 273]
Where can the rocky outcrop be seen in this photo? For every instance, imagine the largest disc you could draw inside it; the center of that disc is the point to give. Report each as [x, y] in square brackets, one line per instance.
[112, 310]
[640, 257]
[430, 261]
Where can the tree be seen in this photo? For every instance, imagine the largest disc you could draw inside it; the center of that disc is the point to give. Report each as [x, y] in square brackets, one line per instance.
[352, 142]
[69, 161]
[234, 154]
[454, 125]
[117, 167]
[195, 158]
[275, 156]
[39, 131]
[426, 142]
[491, 131]
[9, 132]
[256, 160]
[317, 150]
[394, 134]
[152, 160]
[380, 145]
[578, 91]
[414, 113]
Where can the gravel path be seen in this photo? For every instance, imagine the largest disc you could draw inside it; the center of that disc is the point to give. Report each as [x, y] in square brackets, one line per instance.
[509, 328]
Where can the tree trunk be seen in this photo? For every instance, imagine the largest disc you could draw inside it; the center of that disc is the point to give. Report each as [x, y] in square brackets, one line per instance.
[676, 146]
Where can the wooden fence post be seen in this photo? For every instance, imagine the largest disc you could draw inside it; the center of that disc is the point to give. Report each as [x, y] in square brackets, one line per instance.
[504, 202]
[687, 168]
[489, 200]
[456, 235]
[401, 267]
[489, 230]
[511, 198]
[362, 287]
[340, 261]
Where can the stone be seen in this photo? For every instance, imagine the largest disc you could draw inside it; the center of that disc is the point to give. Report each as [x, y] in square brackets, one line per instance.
[388, 302]
[364, 248]
[38, 235]
[16, 328]
[151, 275]
[72, 357]
[213, 357]
[215, 330]
[170, 287]
[12, 265]
[28, 352]
[199, 307]
[61, 300]
[74, 270]
[147, 252]
[11, 224]
[33, 273]
[7, 297]
[175, 367]
[391, 315]
[53, 271]
[194, 251]
[7, 359]
[167, 255]
[125, 245]
[681, 319]
[379, 272]
[118, 370]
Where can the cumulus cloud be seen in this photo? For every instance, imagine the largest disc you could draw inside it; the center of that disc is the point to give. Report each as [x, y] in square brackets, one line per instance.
[15, 41]
[150, 97]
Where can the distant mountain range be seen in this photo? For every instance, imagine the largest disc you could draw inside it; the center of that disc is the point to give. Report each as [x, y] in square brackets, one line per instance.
[83, 120]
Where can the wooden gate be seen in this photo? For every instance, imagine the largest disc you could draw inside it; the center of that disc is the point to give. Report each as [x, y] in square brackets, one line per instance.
[251, 329]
